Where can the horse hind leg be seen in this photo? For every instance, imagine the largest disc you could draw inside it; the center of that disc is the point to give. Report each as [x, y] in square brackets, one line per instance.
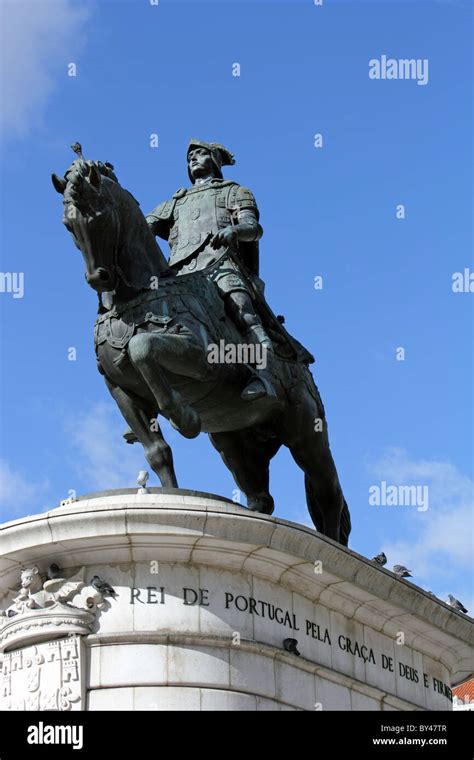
[248, 460]
[309, 446]
[324, 496]
[141, 420]
[317, 515]
[313, 504]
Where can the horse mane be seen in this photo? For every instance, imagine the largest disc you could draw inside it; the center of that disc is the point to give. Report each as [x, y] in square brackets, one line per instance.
[139, 257]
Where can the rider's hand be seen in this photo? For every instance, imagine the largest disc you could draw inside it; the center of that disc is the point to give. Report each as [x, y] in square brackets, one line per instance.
[224, 238]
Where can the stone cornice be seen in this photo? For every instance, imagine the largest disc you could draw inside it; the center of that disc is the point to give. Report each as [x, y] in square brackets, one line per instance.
[38, 625]
[206, 530]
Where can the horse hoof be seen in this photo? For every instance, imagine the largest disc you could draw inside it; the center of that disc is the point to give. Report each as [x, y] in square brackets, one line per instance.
[263, 504]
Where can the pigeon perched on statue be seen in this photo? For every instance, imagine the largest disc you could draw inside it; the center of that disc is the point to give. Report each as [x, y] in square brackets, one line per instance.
[142, 478]
[402, 571]
[380, 559]
[102, 586]
[291, 645]
[456, 604]
[77, 148]
[54, 571]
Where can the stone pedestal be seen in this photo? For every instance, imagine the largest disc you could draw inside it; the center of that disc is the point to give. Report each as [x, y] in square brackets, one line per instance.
[210, 604]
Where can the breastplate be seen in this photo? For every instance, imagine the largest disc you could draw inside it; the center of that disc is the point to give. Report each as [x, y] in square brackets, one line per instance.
[199, 212]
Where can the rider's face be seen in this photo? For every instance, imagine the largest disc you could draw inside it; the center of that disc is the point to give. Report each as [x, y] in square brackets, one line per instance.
[200, 163]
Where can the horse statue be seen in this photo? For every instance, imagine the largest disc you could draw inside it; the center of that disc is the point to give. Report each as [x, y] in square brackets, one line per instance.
[152, 338]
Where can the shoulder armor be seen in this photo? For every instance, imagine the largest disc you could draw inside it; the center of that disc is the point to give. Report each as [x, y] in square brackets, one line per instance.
[163, 212]
[244, 199]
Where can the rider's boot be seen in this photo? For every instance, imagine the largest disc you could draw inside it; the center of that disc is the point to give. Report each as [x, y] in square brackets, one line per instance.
[260, 384]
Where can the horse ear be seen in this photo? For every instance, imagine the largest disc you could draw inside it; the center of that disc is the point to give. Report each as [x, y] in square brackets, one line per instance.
[59, 184]
[94, 176]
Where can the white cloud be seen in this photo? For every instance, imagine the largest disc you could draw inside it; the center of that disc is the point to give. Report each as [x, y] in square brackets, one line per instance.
[18, 494]
[103, 459]
[39, 39]
[437, 545]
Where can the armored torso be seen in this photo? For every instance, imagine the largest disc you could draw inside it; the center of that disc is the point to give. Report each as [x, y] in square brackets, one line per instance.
[192, 216]
[197, 214]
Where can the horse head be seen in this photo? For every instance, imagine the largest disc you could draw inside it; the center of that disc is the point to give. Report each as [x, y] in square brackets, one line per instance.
[109, 228]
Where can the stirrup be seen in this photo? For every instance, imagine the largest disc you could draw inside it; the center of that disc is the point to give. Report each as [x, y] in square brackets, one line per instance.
[130, 436]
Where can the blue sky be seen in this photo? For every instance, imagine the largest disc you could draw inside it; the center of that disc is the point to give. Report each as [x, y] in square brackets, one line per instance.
[330, 212]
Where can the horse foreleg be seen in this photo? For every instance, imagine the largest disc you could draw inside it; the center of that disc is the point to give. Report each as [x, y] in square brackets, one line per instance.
[158, 453]
[149, 353]
[248, 460]
[184, 353]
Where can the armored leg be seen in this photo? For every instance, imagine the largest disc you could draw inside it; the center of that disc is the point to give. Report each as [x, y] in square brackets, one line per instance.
[240, 306]
[242, 312]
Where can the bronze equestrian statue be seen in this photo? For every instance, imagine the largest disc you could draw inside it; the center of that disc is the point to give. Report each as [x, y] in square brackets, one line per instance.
[160, 323]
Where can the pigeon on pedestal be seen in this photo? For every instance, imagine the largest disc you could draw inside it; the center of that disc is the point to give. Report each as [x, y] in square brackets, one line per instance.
[142, 478]
[456, 604]
[402, 571]
[291, 645]
[102, 586]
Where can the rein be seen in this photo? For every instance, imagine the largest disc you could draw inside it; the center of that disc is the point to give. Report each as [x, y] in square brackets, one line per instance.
[179, 281]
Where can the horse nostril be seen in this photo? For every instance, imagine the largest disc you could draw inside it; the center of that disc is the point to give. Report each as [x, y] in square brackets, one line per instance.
[100, 278]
